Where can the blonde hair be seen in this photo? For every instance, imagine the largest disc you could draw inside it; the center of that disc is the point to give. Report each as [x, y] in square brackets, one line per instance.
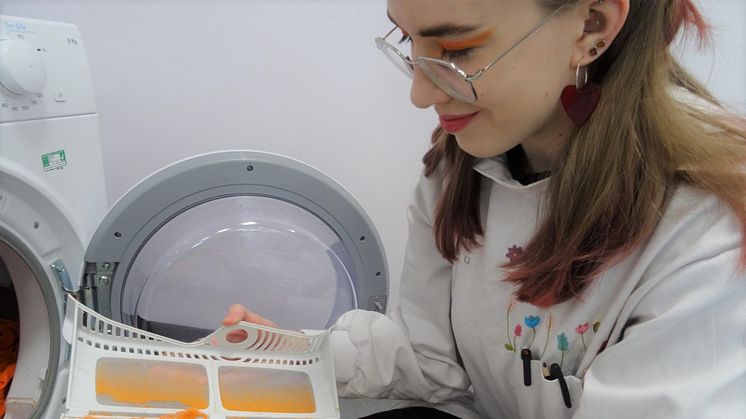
[614, 180]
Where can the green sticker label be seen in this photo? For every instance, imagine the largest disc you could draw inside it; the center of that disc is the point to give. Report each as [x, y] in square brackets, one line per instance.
[54, 160]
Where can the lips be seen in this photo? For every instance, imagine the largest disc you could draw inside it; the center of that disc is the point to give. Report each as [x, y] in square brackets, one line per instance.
[455, 123]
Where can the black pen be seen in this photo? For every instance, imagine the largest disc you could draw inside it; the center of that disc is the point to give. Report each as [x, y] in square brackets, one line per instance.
[526, 357]
[556, 372]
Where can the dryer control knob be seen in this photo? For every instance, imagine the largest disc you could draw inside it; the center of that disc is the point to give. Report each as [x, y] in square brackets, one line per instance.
[22, 68]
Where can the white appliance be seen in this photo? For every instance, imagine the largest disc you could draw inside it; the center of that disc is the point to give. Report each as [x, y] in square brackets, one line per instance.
[51, 194]
[169, 257]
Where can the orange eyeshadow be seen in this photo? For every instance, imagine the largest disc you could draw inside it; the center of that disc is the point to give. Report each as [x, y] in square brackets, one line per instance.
[466, 43]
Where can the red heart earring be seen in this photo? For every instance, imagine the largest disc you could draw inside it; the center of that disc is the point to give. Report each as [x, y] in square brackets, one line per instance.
[580, 101]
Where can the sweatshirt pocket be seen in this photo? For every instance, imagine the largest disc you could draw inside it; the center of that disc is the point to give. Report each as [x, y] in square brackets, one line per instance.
[540, 397]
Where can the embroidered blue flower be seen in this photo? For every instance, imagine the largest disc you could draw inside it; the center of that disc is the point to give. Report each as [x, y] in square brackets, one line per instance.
[532, 321]
[562, 343]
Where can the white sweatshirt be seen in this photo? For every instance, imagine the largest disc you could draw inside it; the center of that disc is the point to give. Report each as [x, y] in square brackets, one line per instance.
[673, 313]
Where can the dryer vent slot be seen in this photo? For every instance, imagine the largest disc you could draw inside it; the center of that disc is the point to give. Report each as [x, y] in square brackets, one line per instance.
[170, 354]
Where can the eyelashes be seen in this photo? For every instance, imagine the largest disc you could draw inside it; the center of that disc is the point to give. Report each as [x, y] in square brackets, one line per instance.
[457, 54]
[451, 54]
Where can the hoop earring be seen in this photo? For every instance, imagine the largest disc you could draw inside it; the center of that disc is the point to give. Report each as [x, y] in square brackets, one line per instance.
[580, 100]
[581, 82]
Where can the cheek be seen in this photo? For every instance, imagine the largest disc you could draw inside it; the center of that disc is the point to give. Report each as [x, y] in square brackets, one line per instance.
[517, 97]
[522, 88]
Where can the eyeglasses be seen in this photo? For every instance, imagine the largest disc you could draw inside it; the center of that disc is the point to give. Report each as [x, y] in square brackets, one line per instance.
[444, 74]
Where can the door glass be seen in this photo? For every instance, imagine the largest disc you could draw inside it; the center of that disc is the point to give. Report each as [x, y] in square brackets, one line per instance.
[274, 257]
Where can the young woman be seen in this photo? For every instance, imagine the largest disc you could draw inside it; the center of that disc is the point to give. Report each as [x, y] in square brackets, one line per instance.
[576, 241]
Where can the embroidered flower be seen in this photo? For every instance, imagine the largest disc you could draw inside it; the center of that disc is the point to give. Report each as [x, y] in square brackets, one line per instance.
[550, 322]
[581, 329]
[563, 345]
[516, 333]
[514, 252]
[532, 322]
[596, 326]
[512, 304]
[508, 346]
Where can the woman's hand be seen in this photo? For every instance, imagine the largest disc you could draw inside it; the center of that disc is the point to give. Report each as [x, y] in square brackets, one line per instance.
[238, 313]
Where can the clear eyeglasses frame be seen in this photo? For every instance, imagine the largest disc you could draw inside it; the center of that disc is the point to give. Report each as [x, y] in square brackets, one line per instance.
[446, 75]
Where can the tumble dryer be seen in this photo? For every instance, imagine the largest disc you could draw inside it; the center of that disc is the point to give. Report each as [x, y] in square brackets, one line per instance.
[247, 227]
[51, 196]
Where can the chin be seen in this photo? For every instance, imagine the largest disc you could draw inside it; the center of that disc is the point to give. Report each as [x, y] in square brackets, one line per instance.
[479, 149]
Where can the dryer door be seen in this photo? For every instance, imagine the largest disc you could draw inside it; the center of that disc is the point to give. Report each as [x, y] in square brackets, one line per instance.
[244, 227]
[37, 244]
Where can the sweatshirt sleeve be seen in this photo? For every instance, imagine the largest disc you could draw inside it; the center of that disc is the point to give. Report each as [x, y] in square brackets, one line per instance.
[412, 353]
[682, 352]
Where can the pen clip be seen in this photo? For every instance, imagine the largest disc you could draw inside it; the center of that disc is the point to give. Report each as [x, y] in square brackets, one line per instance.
[526, 358]
[556, 372]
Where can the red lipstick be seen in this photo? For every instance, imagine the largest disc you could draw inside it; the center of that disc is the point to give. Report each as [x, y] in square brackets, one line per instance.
[455, 123]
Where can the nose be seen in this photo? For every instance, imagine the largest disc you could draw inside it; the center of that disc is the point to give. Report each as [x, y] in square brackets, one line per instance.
[425, 93]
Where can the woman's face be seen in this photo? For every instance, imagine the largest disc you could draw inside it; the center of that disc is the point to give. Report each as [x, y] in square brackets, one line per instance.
[518, 98]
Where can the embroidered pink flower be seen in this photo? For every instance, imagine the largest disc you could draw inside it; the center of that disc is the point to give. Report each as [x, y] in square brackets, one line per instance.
[581, 329]
[518, 329]
[514, 252]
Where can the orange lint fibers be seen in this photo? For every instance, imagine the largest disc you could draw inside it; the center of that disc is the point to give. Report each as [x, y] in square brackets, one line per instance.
[8, 354]
[156, 384]
[130, 382]
[265, 390]
[184, 414]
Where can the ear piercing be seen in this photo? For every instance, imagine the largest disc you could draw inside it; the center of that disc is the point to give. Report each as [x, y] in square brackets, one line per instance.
[599, 46]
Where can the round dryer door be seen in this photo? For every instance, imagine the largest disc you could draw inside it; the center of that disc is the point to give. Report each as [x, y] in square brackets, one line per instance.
[250, 228]
[39, 242]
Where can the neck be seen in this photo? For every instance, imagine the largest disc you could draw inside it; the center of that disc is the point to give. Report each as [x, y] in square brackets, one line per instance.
[543, 147]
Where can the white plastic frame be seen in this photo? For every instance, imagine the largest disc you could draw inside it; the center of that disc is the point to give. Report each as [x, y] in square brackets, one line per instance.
[93, 337]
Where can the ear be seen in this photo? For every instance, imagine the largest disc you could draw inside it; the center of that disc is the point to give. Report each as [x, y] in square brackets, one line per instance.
[603, 20]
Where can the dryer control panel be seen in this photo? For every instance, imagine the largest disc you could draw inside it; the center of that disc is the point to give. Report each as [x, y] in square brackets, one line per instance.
[44, 71]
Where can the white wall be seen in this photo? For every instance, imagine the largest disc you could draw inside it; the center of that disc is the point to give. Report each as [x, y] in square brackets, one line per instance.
[301, 78]
[722, 64]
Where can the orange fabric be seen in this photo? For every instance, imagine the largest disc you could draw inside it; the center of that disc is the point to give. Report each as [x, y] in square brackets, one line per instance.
[8, 353]
[5, 376]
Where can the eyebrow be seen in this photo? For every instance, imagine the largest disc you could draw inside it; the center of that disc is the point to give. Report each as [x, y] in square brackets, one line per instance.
[441, 30]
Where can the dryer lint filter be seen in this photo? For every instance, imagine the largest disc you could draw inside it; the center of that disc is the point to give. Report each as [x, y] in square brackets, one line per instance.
[119, 371]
